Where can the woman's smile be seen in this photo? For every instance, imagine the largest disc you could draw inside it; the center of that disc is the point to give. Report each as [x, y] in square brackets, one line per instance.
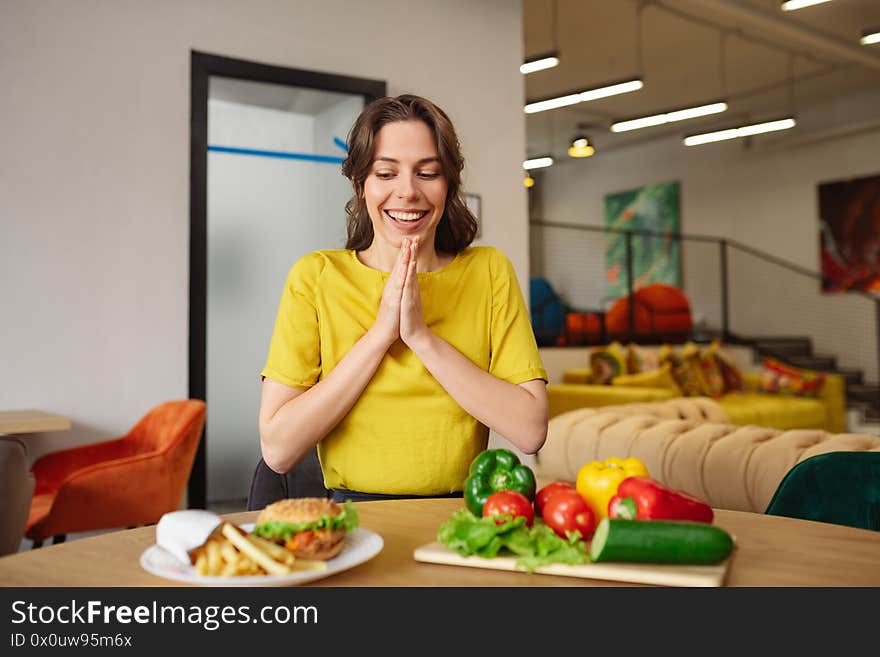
[406, 220]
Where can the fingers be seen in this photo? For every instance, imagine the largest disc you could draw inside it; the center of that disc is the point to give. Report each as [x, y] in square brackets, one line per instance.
[411, 282]
[401, 268]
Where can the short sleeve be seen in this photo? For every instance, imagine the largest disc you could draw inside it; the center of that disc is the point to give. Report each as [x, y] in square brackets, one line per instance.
[514, 353]
[295, 348]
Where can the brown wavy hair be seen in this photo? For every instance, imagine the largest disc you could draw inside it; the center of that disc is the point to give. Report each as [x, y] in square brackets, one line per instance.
[457, 227]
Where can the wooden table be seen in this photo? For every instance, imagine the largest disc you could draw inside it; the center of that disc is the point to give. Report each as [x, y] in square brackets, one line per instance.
[771, 551]
[28, 421]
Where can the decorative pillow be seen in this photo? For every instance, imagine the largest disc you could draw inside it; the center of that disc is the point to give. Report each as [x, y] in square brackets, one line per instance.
[666, 354]
[783, 379]
[657, 378]
[639, 359]
[688, 376]
[711, 380]
[607, 362]
[733, 380]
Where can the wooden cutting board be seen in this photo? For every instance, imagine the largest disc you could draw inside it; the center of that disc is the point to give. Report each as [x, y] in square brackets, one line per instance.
[639, 573]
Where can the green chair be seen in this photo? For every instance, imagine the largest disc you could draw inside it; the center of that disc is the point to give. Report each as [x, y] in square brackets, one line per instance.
[842, 488]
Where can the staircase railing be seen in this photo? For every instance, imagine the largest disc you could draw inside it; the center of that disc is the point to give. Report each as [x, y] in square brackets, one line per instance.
[837, 321]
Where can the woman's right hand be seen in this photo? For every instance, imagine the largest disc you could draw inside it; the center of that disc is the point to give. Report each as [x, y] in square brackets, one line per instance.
[387, 324]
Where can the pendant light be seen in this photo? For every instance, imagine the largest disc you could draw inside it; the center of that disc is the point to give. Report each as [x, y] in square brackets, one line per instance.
[580, 146]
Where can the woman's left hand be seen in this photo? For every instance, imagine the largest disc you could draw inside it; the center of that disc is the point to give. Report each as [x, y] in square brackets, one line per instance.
[412, 323]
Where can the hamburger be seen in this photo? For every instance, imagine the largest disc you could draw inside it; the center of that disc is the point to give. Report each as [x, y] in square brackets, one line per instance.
[310, 527]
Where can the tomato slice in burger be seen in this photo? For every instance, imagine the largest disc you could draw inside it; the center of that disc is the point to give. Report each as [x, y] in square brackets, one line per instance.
[299, 540]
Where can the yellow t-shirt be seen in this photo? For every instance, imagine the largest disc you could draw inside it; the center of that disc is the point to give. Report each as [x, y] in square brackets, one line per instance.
[405, 434]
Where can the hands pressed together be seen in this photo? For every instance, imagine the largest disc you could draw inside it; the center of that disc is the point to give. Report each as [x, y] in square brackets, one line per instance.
[400, 310]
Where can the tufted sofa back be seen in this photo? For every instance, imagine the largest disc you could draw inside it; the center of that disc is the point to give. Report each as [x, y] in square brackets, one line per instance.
[685, 446]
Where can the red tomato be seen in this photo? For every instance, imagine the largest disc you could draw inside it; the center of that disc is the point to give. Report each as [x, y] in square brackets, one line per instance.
[547, 492]
[511, 503]
[566, 511]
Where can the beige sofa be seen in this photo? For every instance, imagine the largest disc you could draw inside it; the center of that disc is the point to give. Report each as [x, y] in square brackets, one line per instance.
[685, 446]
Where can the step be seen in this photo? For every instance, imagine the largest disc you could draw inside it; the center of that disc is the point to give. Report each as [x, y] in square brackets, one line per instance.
[793, 345]
[850, 376]
[858, 406]
[818, 362]
[781, 352]
[860, 424]
[872, 415]
[867, 392]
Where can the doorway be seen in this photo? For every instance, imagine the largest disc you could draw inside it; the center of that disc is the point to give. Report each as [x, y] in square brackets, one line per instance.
[267, 143]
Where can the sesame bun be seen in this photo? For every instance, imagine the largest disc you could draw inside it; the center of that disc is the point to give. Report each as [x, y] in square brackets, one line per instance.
[299, 509]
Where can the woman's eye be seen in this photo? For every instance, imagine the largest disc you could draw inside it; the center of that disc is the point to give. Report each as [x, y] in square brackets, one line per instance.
[428, 175]
[384, 175]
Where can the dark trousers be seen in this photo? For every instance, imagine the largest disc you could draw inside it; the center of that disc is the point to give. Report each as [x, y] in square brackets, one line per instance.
[307, 480]
[343, 495]
[304, 480]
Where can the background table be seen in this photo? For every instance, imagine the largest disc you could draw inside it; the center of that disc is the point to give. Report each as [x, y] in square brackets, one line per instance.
[771, 551]
[27, 421]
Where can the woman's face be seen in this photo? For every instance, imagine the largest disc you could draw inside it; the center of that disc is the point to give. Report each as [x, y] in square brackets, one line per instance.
[405, 191]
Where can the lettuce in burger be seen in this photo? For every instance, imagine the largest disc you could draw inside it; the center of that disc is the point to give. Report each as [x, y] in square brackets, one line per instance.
[310, 527]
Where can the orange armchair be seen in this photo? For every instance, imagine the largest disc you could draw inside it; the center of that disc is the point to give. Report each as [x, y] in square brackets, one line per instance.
[132, 480]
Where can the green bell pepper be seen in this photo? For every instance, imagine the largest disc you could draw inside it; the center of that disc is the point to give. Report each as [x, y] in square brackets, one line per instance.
[493, 470]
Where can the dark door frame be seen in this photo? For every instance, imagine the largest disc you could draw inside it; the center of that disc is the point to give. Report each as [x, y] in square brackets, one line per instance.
[202, 66]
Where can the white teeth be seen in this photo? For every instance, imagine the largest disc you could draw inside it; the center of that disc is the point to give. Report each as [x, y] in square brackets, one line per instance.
[405, 216]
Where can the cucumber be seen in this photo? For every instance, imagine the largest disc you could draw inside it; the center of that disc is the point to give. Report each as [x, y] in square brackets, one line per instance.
[659, 541]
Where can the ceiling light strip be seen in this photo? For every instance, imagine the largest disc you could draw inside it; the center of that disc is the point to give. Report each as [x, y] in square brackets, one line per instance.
[791, 5]
[743, 131]
[586, 95]
[539, 63]
[870, 38]
[538, 162]
[669, 117]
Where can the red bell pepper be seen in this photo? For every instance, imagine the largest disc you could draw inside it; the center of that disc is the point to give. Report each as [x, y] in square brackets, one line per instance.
[642, 498]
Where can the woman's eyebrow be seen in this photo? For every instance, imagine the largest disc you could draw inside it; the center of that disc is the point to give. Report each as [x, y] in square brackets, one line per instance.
[424, 160]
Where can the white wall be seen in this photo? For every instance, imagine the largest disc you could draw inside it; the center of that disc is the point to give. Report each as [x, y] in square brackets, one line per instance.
[762, 194]
[94, 176]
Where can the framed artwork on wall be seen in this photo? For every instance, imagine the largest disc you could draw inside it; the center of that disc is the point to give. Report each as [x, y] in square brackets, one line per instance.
[474, 203]
[849, 234]
[656, 259]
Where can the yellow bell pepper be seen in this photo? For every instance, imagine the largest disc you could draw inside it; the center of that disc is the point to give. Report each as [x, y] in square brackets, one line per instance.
[597, 481]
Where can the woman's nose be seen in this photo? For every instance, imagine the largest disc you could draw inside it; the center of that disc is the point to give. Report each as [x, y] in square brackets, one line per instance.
[406, 187]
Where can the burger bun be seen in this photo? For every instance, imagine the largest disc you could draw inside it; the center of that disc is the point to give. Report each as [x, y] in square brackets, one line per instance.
[320, 544]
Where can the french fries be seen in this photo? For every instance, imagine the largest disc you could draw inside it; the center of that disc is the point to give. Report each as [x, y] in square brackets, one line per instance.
[232, 552]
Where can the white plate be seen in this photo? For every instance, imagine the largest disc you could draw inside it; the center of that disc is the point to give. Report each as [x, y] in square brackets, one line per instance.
[360, 545]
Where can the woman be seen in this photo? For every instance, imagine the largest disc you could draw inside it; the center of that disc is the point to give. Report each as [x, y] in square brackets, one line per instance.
[395, 355]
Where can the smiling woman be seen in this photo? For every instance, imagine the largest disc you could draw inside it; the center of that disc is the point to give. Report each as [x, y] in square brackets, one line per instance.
[396, 355]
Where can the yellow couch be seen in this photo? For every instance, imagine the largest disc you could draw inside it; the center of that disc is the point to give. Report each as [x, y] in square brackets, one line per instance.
[827, 411]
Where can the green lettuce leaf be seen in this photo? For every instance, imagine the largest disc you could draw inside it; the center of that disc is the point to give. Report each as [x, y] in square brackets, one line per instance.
[534, 546]
[275, 529]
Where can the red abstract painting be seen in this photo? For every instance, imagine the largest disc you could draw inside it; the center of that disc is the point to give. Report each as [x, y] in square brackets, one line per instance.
[849, 235]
